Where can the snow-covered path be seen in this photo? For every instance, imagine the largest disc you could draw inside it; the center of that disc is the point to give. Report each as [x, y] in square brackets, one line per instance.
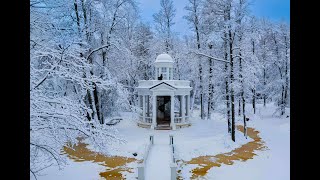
[158, 162]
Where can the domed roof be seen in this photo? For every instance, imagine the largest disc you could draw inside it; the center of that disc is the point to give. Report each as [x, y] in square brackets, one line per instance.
[164, 58]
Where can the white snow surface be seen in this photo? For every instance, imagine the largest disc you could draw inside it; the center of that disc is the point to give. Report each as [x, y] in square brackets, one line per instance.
[273, 163]
[159, 159]
[204, 137]
[73, 170]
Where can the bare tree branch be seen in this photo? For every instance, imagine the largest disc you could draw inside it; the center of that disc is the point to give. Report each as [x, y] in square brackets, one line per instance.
[45, 149]
[33, 174]
[214, 58]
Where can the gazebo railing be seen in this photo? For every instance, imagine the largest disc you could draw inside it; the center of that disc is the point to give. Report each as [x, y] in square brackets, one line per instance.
[179, 119]
[142, 166]
[173, 165]
[148, 119]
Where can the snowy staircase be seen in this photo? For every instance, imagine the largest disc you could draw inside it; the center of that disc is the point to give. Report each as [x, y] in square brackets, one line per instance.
[163, 127]
[159, 162]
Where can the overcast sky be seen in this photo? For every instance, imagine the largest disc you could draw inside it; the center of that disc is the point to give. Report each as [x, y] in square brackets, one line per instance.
[275, 10]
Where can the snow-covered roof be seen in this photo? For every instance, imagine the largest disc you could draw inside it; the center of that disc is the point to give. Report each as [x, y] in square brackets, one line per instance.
[164, 58]
[163, 83]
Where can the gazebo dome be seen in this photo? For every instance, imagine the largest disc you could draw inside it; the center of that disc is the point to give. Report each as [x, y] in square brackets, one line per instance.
[164, 58]
[164, 67]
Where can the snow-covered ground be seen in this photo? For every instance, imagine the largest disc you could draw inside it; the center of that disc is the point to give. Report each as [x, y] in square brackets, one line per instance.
[73, 170]
[204, 137]
[274, 163]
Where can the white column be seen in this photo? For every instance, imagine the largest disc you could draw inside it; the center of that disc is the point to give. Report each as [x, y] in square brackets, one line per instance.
[183, 108]
[154, 112]
[167, 69]
[188, 106]
[173, 125]
[144, 108]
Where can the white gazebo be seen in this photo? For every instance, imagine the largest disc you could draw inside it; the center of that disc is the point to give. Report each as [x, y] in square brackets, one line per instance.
[159, 96]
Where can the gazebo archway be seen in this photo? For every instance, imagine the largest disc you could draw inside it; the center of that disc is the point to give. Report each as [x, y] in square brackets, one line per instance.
[163, 110]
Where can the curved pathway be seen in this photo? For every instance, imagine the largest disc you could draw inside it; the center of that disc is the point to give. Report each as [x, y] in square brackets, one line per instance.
[242, 153]
[115, 165]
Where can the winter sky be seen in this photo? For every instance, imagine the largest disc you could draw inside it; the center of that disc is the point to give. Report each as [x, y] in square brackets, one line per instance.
[275, 10]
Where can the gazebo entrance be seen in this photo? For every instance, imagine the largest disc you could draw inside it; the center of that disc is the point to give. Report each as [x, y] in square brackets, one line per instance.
[163, 111]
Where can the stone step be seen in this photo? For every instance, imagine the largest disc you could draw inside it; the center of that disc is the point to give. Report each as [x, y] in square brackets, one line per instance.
[163, 128]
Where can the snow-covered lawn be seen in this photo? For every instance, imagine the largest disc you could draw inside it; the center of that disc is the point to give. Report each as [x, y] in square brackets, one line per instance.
[204, 137]
[274, 163]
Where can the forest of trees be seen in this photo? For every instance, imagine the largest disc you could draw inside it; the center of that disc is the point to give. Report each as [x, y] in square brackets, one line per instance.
[86, 57]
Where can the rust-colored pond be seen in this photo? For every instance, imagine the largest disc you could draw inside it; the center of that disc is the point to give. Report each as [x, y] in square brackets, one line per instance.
[114, 164]
[242, 153]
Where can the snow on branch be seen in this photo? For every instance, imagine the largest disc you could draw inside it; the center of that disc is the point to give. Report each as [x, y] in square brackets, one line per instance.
[97, 49]
[214, 58]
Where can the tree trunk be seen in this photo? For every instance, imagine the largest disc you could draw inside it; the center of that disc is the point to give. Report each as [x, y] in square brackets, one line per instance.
[193, 95]
[227, 90]
[281, 101]
[242, 96]
[90, 95]
[254, 101]
[282, 107]
[201, 92]
[264, 74]
[226, 40]
[96, 104]
[211, 90]
[244, 115]
[254, 85]
[89, 115]
[200, 66]
[265, 84]
[286, 75]
[239, 109]
[231, 88]
[93, 102]
[85, 18]
[75, 3]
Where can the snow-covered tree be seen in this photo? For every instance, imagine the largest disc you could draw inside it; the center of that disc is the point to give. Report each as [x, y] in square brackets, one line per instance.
[73, 48]
[164, 22]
